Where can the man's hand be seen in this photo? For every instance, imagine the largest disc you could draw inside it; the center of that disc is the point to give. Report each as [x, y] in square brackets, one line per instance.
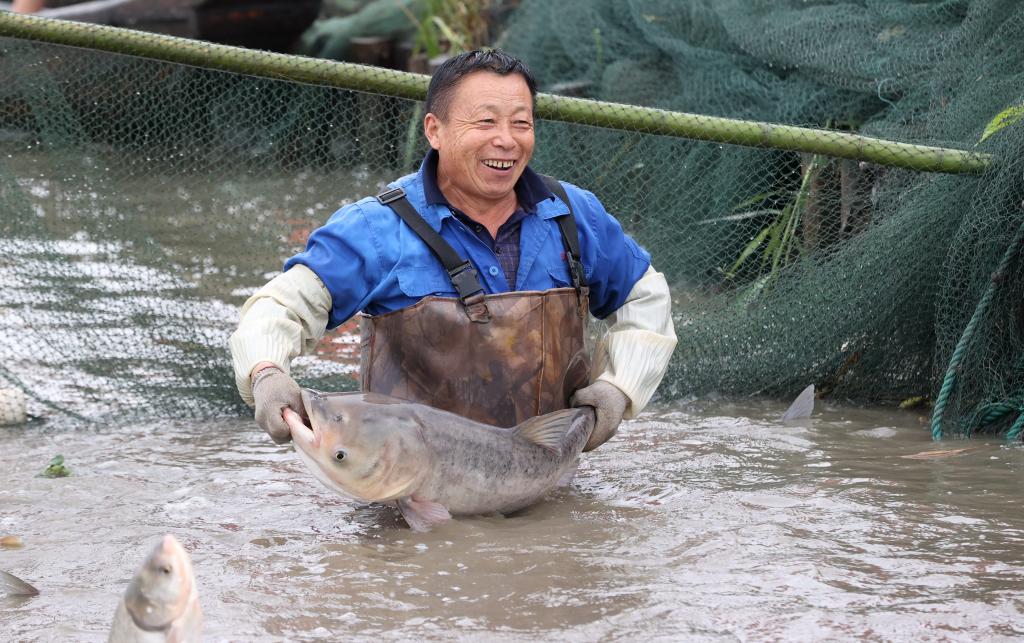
[273, 390]
[609, 405]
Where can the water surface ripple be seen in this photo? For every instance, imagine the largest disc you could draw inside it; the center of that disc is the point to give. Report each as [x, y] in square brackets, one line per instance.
[708, 521]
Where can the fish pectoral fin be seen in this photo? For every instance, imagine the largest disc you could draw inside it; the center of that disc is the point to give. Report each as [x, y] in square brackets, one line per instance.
[548, 430]
[422, 515]
[567, 477]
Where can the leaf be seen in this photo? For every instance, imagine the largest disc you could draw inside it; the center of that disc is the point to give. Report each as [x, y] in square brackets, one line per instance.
[1005, 118]
[773, 250]
[914, 402]
[748, 250]
[756, 199]
[56, 469]
[455, 39]
[753, 214]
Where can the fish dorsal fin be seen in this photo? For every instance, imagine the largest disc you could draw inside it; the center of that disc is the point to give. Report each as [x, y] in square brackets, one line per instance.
[802, 406]
[548, 430]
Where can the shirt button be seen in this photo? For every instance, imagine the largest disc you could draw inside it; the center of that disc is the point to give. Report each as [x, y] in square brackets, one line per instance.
[479, 228]
[493, 270]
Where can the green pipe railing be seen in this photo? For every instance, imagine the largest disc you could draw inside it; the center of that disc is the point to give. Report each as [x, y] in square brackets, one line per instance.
[550, 107]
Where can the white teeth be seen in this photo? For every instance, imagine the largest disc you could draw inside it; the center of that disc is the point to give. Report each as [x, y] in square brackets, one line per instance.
[499, 165]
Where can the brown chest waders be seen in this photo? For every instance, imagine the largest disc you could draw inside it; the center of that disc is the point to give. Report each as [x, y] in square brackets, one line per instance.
[498, 359]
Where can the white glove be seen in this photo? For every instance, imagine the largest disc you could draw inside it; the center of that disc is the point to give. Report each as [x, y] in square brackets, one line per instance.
[273, 391]
[609, 405]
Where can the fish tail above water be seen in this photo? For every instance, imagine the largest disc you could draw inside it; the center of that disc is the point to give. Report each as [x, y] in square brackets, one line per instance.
[14, 586]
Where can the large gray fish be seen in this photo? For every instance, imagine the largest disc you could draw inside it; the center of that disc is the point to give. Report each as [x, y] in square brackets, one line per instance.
[161, 603]
[434, 464]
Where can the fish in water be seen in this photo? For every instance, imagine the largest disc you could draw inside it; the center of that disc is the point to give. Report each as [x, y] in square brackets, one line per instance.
[14, 586]
[433, 463]
[802, 406]
[161, 602]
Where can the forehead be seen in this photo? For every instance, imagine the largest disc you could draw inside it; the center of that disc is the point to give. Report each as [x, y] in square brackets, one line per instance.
[487, 90]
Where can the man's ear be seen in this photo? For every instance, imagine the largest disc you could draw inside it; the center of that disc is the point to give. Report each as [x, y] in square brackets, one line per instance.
[431, 127]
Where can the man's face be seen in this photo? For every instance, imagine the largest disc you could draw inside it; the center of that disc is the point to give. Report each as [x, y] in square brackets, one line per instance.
[487, 139]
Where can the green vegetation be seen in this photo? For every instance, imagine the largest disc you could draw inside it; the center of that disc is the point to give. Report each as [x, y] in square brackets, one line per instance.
[447, 27]
[56, 468]
[778, 242]
[1005, 118]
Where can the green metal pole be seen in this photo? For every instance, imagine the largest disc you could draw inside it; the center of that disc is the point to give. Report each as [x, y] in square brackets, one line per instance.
[551, 107]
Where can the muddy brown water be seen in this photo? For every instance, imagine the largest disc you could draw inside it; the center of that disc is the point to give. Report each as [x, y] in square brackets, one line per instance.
[700, 521]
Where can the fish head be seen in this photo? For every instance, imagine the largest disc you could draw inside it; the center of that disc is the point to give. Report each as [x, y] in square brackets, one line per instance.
[163, 589]
[363, 445]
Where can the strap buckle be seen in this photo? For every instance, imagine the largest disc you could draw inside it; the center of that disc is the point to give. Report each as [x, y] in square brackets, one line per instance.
[466, 280]
[391, 195]
[575, 272]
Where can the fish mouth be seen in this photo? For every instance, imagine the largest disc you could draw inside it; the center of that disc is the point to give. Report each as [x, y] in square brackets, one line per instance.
[303, 434]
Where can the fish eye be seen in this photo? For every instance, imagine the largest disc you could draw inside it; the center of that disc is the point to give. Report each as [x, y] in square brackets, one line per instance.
[340, 454]
[337, 418]
[165, 569]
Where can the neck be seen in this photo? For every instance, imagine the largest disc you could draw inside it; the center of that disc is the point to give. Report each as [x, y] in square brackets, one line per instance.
[489, 213]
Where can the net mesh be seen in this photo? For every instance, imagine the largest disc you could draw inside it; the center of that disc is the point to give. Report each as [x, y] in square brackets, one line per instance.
[143, 201]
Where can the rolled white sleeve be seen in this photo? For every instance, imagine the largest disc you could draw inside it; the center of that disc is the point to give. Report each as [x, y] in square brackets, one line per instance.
[282, 320]
[635, 351]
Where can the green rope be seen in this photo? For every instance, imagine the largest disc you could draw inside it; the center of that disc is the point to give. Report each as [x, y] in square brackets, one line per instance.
[1016, 429]
[988, 414]
[401, 84]
[949, 381]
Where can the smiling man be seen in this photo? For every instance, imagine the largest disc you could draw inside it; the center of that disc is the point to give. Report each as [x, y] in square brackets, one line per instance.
[474, 277]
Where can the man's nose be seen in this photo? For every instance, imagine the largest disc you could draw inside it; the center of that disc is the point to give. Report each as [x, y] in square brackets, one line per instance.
[503, 136]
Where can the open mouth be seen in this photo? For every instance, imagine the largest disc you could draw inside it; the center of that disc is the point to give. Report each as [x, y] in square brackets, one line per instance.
[301, 432]
[499, 164]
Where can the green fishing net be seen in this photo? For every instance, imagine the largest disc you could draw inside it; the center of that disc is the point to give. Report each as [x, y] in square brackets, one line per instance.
[142, 201]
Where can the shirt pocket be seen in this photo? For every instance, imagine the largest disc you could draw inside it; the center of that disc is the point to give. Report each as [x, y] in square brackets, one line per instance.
[418, 282]
[559, 276]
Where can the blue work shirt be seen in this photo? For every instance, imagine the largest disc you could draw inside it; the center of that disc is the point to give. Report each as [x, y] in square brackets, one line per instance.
[371, 261]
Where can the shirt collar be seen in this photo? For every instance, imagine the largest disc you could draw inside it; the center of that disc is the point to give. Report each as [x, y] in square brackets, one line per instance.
[530, 188]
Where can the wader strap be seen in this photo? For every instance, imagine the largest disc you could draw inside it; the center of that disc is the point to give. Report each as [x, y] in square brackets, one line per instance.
[570, 236]
[462, 273]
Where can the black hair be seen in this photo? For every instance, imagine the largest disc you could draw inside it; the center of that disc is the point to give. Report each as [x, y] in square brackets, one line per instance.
[453, 70]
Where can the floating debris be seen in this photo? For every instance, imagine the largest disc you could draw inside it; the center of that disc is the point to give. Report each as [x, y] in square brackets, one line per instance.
[933, 455]
[56, 469]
